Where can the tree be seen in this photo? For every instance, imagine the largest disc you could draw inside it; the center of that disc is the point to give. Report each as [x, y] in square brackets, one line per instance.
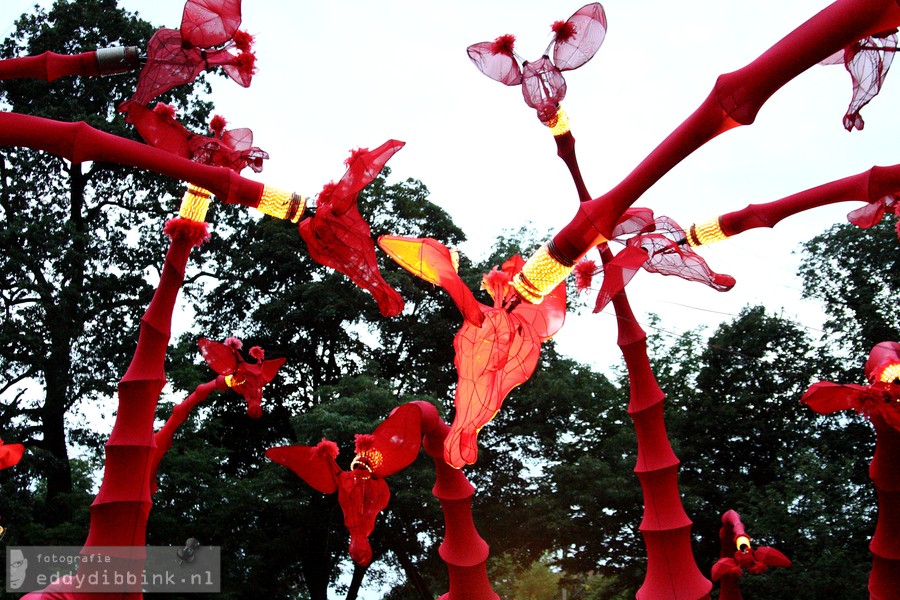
[856, 274]
[76, 242]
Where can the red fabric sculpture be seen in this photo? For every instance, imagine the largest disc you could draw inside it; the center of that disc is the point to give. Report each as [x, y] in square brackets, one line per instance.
[363, 493]
[879, 401]
[50, 65]
[10, 454]
[247, 379]
[735, 100]
[208, 38]
[338, 237]
[656, 245]
[575, 41]
[737, 554]
[867, 61]
[672, 571]
[497, 347]
[878, 187]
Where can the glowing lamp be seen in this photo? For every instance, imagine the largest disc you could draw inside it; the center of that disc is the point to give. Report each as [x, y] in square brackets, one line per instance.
[541, 274]
[281, 204]
[559, 125]
[883, 364]
[194, 204]
[891, 373]
[742, 543]
[706, 233]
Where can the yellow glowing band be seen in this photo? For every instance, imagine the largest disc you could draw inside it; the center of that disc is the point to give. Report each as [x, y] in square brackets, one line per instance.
[194, 204]
[540, 275]
[891, 373]
[368, 460]
[742, 543]
[706, 233]
[282, 204]
[560, 124]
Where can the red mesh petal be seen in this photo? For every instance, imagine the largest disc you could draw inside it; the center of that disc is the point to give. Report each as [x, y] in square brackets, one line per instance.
[826, 397]
[169, 64]
[160, 129]
[868, 215]
[579, 38]
[542, 83]
[430, 260]
[668, 255]
[618, 273]
[635, 220]
[499, 66]
[868, 62]
[207, 23]
[491, 360]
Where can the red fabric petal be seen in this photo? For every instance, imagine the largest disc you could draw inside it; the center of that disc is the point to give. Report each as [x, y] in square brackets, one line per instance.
[578, 39]
[868, 215]
[868, 62]
[771, 557]
[316, 468]
[498, 65]
[826, 397]
[270, 368]
[398, 439]
[725, 567]
[361, 498]
[207, 23]
[169, 64]
[221, 358]
[618, 273]
[10, 454]
[542, 84]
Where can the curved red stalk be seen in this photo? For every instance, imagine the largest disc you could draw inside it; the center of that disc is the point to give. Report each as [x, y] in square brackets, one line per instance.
[463, 550]
[672, 571]
[868, 186]
[79, 142]
[735, 100]
[50, 65]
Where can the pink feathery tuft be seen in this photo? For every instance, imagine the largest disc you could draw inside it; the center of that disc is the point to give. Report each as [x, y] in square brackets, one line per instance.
[217, 125]
[257, 353]
[563, 30]
[234, 342]
[243, 40]
[897, 229]
[196, 232]
[364, 442]
[584, 273]
[164, 110]
[504, 45]
[354, 154]
[246, 62]
[326, 449]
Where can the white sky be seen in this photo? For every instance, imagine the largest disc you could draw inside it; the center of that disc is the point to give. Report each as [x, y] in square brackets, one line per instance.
[335, 76]
[338, 75]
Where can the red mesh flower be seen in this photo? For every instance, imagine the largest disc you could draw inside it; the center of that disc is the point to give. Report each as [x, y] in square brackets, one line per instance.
[208, 37]
[496, 348]
[337, 236]
[575, 42]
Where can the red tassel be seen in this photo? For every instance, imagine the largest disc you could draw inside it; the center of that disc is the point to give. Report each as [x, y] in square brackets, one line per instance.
[243, 40]
[364, 442]
[326, 449]
[164, 110]
[354, 154]
[194, 231]
[584, 273]
[217, 125]
[504, 45]
[257, 353]
[563, 30]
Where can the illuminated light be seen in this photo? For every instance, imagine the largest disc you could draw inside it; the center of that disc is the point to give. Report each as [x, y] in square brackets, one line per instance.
[706, 233]
[230, 381]
[742, 543]
[890, 374]
[559, 125]
[370, 460]
[281, 204]
[540, 275]
[194, 204]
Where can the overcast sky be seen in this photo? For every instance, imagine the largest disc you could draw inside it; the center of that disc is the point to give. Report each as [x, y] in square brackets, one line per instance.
[335, 76]
[338, 75]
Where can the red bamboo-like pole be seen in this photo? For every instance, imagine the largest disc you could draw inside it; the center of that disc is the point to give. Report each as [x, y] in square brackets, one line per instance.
[672, 572]
[885, 575]
[50, 65]
[463, 550]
